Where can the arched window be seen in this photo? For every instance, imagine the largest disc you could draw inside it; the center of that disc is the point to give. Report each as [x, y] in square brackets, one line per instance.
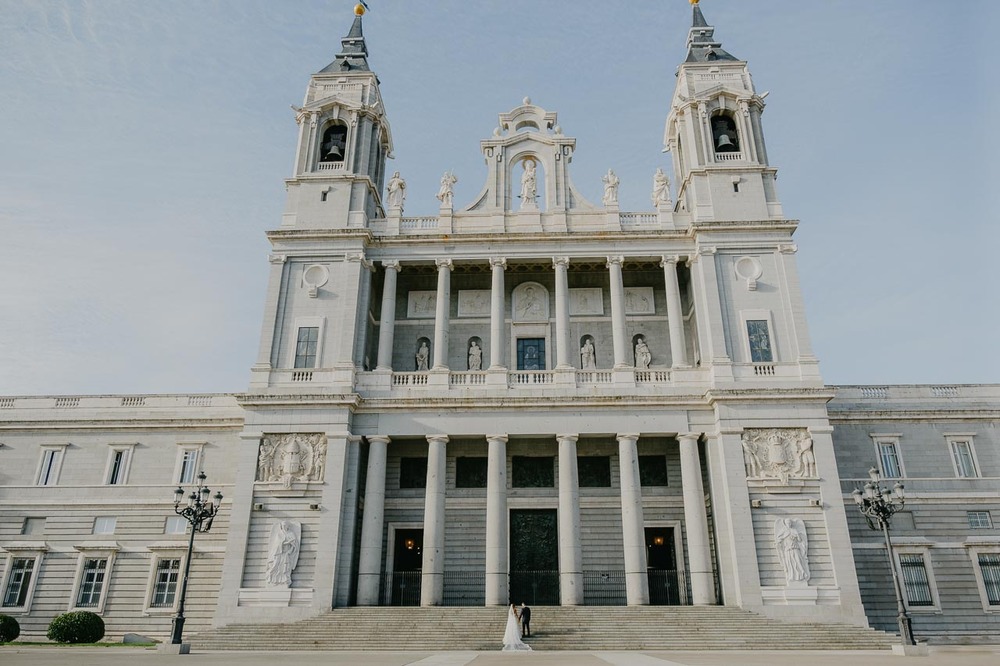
[334, 143]
[725, 139]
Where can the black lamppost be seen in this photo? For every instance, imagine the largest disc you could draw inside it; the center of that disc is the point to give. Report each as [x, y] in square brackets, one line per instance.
[878, 504]
[199, 512]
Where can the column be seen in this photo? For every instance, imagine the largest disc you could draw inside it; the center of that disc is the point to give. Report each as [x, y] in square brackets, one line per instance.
[432, 568]
[675, 315]
[497, 589]
[387, 320]
[561, 266]
[633, 532]
[442, 313]
[618, 311]
[696, 523]
[708, 306]
[372, 523]
[570, 549]
[497, 337]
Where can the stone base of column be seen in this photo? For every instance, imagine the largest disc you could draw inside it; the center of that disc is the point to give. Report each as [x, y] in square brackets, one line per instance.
[438, 378]
[571, 589]
[702, 589]
[368, 585]
[623, 376]
[497, 591]
[565, 376]
[497, 377]
[637, 588]
[431, 589]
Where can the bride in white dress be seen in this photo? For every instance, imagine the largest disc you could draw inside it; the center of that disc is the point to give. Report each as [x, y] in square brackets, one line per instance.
[512, 634]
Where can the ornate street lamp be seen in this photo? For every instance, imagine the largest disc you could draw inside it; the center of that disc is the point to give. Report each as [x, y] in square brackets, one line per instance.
[878, 504]
[199, 511]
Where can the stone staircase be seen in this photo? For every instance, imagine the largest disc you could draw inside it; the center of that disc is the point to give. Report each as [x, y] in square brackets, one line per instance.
[553, 628]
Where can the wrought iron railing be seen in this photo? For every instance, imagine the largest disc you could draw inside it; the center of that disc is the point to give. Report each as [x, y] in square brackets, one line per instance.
[664, 589]
[604, 588]
[400, 588]
[535, 587]
[465, 588]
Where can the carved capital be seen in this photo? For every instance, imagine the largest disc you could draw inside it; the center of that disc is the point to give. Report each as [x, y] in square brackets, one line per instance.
[706, 250]
[498, 261]
[277, 258]
[788, 248]
[627, 437]
[560, 261]
[497, 438]
[616, 260]
[689, 435]
[391, 265]
[671, 260]
[443, 439]
[378, 439]
[567, 438]
[444, 263]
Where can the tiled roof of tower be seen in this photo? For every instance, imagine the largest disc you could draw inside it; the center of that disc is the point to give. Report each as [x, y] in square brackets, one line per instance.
[701, 43]
[354, 52]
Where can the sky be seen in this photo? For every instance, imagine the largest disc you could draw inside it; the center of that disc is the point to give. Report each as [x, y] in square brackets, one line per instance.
[144, 147]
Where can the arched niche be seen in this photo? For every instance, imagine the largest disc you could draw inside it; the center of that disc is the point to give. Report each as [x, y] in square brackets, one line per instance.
[333, 143]
[474, 353]
[530, 302]
[588, 352]
[641, 354]
[422, 354]
[527, 182]
[725, 137]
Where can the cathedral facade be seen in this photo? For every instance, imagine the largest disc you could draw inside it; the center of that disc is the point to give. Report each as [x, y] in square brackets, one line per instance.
[526, 397]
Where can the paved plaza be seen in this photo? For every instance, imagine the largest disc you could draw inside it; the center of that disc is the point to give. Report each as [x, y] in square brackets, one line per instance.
[988, 655]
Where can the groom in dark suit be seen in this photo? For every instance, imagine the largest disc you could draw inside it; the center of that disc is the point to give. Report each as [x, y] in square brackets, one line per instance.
[525, 620]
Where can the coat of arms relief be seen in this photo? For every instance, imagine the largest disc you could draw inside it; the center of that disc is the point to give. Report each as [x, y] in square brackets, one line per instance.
[779, 453]
[291, 457]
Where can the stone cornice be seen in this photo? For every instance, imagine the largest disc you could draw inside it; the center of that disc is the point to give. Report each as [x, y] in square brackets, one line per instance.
[770, 395]
[351, 400]
[79, 422]
[320, 234]
[513, 238]
[420, 403]
[729, 225]
[928, 415]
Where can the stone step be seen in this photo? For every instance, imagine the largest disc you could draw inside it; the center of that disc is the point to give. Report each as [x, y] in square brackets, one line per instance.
[555, 628]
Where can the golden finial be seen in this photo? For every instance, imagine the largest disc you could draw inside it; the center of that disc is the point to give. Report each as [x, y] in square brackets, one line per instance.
[694, 2]
[359, 9]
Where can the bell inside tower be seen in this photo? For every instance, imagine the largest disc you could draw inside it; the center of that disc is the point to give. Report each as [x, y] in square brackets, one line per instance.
[334, 142]
[724, 135]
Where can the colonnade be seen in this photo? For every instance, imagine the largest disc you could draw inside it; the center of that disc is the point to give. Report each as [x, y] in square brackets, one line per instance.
[497, 531]
[675, 317]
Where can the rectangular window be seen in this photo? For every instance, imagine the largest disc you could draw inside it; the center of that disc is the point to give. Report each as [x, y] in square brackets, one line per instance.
[119, 467]
[92, 582]
[18, 582]
[105, 525]
[915, 581]
[532, 472]
[305, 347]
[594, 471]
[652, 471]
[189, 466]
[413, 472]
[888, 457]
[48, 472]
[989, 567]
[760, 341]
[531, 353]
[471, 472]
[980, 520]
[165, 583]
[965, 462]
[175, 525]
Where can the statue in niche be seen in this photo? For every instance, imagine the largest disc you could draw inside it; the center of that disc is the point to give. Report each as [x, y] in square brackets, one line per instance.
[423, 355]
[475, 356]
[529, 185]
[611, 182]
[446, 193]
[291, 457]
[282, 553]
[642, 355]
[661, 189]
[792, 545]
[397, 191]
[587, 359]
[779, 453]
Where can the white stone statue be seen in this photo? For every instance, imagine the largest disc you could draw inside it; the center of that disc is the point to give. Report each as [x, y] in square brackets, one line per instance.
[661, 189]
[265, 460]
[587, 360]
[397, 191]
[475, 356]
[291, 462]
[642, 355]
[792, 546]
[808, 458]
[318, 468]
[423, 355]
[611, 182]
[447, 192]
[529, 185]
[282, 553]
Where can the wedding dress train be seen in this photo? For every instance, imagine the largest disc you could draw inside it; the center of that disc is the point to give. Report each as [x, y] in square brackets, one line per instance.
[512, 634]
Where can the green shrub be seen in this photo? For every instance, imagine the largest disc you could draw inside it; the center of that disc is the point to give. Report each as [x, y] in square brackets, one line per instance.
[9, 629]
[76, 627]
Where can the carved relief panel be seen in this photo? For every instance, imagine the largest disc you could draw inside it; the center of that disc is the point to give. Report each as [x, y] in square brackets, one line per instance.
[779, 453]
[291, 457]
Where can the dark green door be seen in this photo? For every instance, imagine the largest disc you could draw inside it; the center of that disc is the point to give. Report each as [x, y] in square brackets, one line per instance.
[534, 557]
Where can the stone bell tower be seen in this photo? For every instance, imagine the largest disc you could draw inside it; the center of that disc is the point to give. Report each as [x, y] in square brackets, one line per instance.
[344, 140]
[714, 133]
